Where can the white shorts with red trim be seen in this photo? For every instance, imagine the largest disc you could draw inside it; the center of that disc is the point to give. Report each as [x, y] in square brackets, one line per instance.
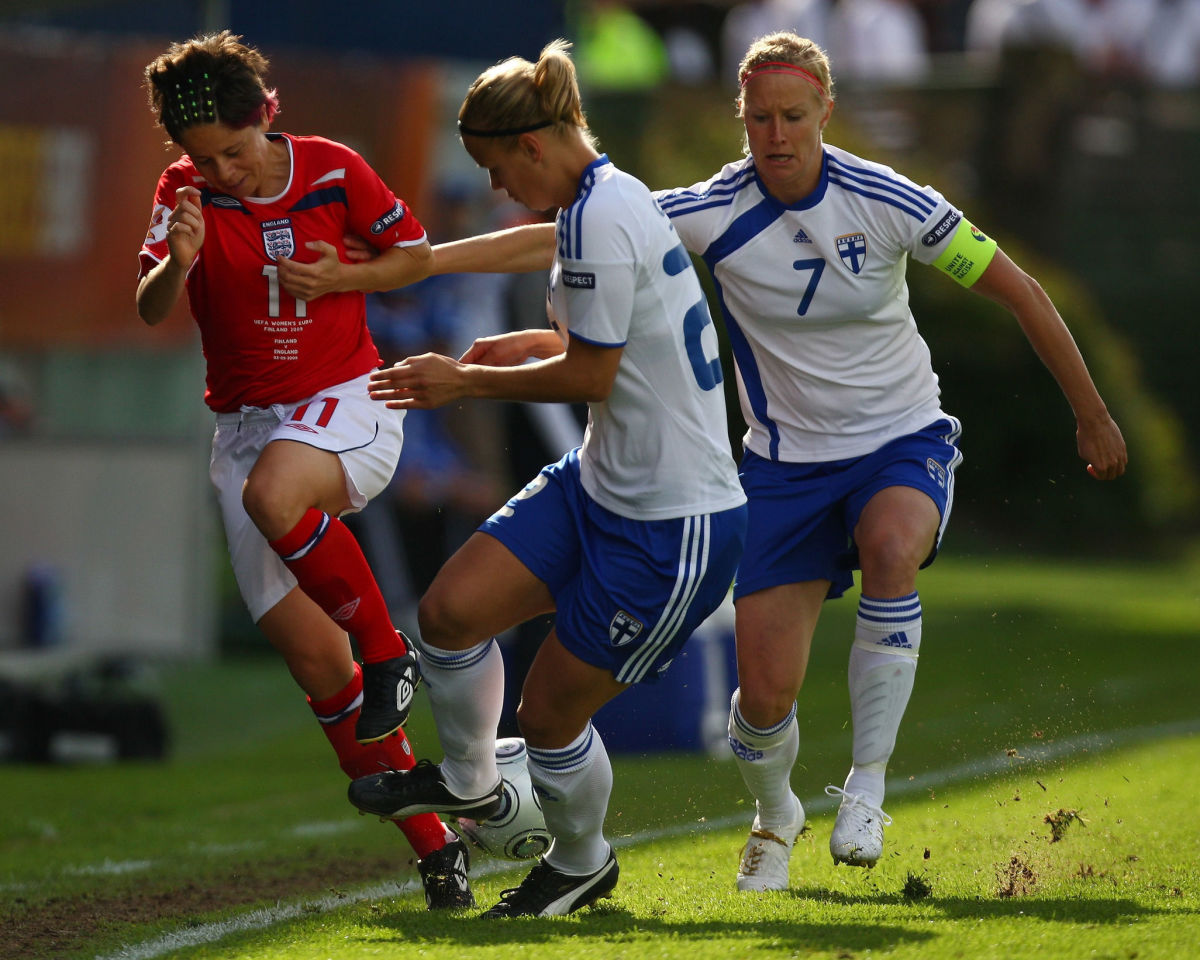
[365, 435]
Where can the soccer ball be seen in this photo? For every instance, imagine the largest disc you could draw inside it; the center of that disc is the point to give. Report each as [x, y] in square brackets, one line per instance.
[517, 831]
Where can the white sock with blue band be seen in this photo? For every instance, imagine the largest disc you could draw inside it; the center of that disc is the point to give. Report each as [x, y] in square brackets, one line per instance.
[466, 691]
[765, 758]
[883, 664]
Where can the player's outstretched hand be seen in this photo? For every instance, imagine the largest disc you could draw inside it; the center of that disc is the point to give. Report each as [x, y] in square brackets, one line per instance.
[419, 383]
[307, 281]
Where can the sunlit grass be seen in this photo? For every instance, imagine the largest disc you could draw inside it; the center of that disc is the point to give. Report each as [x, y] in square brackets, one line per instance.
[1019, 662]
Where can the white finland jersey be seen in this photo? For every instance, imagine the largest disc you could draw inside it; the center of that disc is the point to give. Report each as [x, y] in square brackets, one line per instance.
[658, 447]
[829, 361]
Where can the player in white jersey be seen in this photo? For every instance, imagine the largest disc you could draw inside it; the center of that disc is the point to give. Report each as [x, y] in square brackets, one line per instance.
[632, 539]
[849, 458]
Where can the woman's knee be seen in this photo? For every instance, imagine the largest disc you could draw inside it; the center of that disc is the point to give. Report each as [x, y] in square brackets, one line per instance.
[268, 503]
[443, 621]
[891, 552]
[543, 726]
[764, 700]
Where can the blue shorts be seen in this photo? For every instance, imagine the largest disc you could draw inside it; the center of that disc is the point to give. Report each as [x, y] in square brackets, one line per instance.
[803, 515]
[628, 592]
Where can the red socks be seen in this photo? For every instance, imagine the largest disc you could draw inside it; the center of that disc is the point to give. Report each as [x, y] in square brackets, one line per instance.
[337, 714]
[330, 567]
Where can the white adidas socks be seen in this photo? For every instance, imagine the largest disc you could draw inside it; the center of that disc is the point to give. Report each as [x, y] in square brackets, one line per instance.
[466, 691]
[883, 664]
[573, 784]
[765, 758]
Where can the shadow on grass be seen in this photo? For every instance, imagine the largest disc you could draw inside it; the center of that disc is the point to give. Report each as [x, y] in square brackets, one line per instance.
[611, 923]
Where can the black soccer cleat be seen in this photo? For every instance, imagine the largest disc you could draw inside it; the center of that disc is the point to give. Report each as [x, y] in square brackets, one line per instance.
[400, 794]
[444, 876]
[547, 892]
[388, 689]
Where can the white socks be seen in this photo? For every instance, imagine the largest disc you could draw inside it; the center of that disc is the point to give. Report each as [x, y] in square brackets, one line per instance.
[883, 663]
[466, 690]
[573, 784]
[765, 758]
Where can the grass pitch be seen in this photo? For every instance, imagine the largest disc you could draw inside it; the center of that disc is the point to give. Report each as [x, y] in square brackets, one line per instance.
[1042, 795]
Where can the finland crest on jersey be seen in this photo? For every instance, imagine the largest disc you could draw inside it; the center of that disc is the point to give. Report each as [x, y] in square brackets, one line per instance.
[852, 248]
[278, 239]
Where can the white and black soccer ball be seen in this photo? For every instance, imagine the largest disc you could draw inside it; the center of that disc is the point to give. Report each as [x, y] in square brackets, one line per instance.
[517, 831]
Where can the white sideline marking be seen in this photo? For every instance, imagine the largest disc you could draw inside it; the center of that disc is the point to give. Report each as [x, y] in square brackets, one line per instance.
[254, 920]
[117, 867]
[111, 867]
[1030, 755]
[323, 828]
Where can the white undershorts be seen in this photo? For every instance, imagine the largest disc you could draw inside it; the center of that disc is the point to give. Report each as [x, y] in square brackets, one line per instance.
[365, 435]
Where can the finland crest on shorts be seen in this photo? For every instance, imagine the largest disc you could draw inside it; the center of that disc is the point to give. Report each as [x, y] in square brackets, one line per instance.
[278, 239]
[624, 629]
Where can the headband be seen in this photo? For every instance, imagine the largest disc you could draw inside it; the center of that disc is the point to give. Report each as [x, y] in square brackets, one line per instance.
[509, 132]
[777, 67]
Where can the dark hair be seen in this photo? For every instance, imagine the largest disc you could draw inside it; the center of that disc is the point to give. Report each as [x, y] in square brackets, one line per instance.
[212, 79]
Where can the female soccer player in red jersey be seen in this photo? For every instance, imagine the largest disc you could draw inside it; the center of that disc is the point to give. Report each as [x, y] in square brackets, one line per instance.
[250, 224]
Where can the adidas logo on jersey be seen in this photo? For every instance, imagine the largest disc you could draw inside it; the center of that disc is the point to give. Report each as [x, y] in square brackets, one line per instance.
[801, 237]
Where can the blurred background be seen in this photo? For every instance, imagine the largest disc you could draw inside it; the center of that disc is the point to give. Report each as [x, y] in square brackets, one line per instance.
[1068, 129]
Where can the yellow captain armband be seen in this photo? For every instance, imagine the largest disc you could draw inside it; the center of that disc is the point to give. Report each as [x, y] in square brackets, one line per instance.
[967, 254]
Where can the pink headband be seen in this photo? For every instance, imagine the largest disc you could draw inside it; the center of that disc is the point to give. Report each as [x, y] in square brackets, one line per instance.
[776, 67]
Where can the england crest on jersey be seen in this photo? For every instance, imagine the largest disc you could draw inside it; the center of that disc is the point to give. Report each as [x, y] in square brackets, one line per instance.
[852, 248]
[623, 629]
[278, 239]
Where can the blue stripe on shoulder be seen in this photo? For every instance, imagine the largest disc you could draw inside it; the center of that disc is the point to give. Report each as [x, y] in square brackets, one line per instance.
[570, 243]
[875, 195]
[679, 211]
[873, 179]
[320, 198]
[691, 201]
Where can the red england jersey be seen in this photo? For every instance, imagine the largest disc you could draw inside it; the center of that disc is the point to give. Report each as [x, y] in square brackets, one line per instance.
[263, 346]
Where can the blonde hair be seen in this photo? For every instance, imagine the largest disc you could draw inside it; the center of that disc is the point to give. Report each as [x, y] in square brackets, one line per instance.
[516, 96]
[786, 47]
